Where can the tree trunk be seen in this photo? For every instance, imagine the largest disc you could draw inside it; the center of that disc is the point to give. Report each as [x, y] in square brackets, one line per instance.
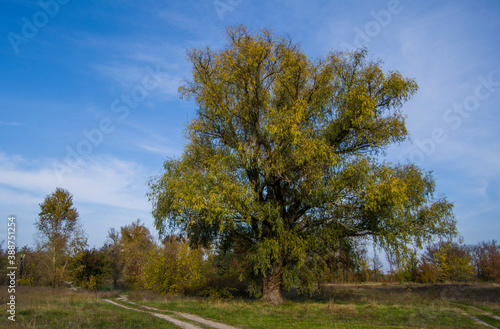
[271, 285]
[53, 279]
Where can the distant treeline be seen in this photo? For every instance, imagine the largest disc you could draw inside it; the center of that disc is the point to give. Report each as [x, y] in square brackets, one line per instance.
[132, 259]
[439, 263]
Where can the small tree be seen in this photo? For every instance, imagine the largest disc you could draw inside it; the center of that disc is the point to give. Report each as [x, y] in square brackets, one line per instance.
[427, 271]
[174, 267]
[446, 261]
[88, 269]
[486, 256]
[60, 234]
[32, 270]
[112, 251]
[136, 242]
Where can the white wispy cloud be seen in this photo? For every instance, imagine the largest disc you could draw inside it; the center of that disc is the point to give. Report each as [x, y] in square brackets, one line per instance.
[472, 158]
[128, 61]
[103, 180]
[12, 124]
[107, 192]
[130, 76]
[163, 150]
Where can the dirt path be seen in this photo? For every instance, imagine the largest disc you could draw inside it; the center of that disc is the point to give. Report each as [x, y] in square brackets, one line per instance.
[176, 322]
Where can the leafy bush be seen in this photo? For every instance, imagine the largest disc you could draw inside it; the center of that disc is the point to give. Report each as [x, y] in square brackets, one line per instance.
[88, 269]
[486, 256]
[445, 262]
[218, 294]
[174, 267]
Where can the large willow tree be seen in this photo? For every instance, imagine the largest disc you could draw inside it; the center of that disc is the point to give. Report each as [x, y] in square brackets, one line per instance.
[283, 162]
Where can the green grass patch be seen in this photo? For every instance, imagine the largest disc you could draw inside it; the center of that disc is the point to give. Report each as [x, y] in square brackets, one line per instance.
[40, 307]
[362, 306]
[491, 308]
[488, 320]
[255, 314]
[343, 307]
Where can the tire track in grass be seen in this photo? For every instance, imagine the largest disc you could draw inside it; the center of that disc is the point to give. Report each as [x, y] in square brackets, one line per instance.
[175, 322]
[187, 316]
[476, 319]
[491, 315]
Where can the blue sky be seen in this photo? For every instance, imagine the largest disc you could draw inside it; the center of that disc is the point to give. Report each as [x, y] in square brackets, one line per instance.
[88, 95]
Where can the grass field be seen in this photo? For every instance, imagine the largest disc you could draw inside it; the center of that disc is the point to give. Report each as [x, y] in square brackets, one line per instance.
[338, 306]
[41, 307]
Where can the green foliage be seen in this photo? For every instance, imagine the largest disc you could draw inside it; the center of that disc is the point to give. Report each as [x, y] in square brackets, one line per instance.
[174, 267]
[215, 294]
[33, 270]
[445, 262]
[136, 242]
[25, 281]
[345, 265]
[409, 269]
[282, 160]
[370, 270]
[60, 234]
[404, 269]
[88, 269]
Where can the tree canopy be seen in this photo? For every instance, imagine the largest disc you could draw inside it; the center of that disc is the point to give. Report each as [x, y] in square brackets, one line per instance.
[135, 242]
[283, 160]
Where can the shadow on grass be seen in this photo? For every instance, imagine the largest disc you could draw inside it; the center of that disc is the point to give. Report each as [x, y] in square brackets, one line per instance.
[402, 294]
